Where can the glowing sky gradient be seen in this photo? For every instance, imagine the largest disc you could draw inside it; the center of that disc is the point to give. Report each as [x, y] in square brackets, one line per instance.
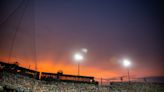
[111, 30]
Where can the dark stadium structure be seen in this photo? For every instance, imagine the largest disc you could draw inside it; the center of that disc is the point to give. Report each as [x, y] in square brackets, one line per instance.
[66, 78]
[59, 76]
[14, 78]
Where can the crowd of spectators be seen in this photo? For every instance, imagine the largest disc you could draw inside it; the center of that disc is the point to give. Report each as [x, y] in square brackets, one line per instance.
[137, 87]
[11, 82]
[20, 83]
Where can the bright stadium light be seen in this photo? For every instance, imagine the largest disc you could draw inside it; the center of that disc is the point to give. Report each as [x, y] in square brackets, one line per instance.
[127, 64]
[78, 57]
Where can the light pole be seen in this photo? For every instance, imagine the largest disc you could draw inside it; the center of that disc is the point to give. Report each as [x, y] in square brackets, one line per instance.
[78, 57]
[127, 64]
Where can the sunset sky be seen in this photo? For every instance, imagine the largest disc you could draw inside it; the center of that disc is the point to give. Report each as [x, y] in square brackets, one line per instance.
[111, 30]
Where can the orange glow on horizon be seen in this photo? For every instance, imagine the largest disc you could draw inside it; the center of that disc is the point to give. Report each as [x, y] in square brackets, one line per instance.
[72, 69]
[48, 66]
[52, 67]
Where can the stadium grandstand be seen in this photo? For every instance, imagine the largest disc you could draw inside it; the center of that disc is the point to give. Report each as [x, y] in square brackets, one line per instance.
[14, 78]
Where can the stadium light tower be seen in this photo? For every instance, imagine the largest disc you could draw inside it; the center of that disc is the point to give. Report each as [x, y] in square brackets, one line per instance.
[78, 57]
[127, 64]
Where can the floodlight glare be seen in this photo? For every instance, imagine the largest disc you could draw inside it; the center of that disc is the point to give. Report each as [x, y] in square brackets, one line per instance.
[126, 63]
[84, 50]
[78, 57]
